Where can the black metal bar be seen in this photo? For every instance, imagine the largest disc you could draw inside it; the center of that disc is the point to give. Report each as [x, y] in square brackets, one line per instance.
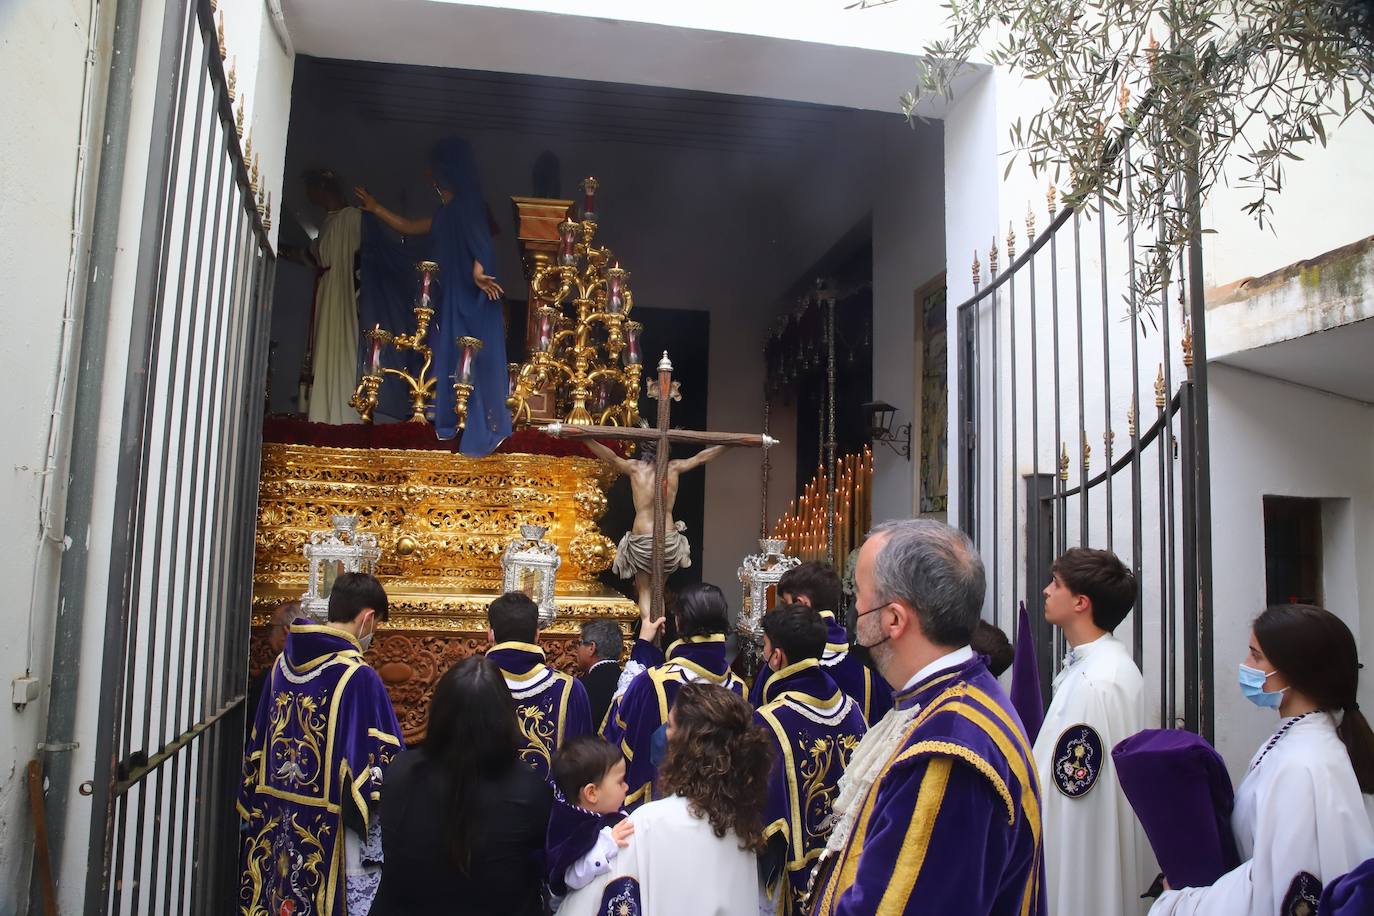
[1040, 515]
[1060, 520]
[1167, 443]
[1191, 704]
[1082, 456]
[1137, 542]
[1015, 466]
[132, 457]
[1202, 469]
[1166, 568]
[966, 431]
[1107, 434]
[1035, 495]
[995, 454]
[1123, 461]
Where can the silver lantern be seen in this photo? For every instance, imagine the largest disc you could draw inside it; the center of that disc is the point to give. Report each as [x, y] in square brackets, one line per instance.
[760, 572]
[530, 565]
[332, 553]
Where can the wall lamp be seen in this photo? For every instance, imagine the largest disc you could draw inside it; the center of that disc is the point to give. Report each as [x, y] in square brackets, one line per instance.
[880, 415]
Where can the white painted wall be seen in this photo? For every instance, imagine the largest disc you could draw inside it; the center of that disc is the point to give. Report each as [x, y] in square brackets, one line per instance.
[1271, 438]
[43, 46]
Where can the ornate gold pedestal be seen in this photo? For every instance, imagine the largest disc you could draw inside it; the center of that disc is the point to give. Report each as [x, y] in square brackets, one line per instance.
[442, 521]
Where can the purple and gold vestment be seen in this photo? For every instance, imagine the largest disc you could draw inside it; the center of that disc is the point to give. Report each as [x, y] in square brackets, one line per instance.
[324, 734]
[643, 709]
[550, 706]
[951, 823]
[858, 681]
[815, 729]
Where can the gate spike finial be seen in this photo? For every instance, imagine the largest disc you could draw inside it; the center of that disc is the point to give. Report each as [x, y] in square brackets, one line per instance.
[231, 79]
[1087, 453]
[1186, 342]
[1011, 243]
[1052, 199]
[977, 270]
[992, 258]
[1063, 461]
[1130, 421]
[1030, 222]
[1108, 438]
[238, 118]
[1123, 98]
[1159, 388]
[219, 38]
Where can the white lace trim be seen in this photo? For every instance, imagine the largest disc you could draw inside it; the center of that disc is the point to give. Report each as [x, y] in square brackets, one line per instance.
[864, 769]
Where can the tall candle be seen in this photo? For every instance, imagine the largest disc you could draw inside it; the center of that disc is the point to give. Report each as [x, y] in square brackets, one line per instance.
[376, 349]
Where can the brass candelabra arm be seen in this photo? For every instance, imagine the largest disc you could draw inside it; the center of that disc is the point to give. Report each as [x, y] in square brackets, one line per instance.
[364, 399]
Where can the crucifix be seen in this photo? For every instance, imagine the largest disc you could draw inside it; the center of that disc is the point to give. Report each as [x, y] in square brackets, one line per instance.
[663, 479]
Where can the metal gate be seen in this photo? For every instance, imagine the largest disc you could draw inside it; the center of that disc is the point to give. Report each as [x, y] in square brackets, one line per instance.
[171, 719]
[1082, 419]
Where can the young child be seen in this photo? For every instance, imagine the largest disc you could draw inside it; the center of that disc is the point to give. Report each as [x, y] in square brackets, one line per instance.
[587, 827]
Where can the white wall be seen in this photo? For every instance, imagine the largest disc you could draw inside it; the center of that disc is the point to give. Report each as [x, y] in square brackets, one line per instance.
[1272, 438]
[43, 45]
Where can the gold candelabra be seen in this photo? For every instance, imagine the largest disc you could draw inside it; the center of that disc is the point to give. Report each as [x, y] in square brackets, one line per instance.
[584, 348]
[421, 384]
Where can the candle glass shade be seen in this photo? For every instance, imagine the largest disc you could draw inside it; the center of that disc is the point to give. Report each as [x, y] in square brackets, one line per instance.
[589, 186]
[631, 352]
[379, 339]
[468, 348]
[427, 271]
[567, 233]
[545, 316]
[615, 290]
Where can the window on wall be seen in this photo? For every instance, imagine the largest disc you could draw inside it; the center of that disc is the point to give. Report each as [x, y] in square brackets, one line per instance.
[1292, 550]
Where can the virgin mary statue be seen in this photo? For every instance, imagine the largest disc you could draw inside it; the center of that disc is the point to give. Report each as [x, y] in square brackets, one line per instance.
[468, 299]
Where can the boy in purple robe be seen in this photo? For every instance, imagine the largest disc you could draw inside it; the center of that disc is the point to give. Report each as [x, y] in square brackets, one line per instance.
[322, 738]
[587, 826]
[939, 808]
[815, 729]
[816, 586]
[701, 620]
[551, 706]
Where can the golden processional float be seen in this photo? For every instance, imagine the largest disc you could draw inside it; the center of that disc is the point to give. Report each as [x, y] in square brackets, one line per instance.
[443, 522]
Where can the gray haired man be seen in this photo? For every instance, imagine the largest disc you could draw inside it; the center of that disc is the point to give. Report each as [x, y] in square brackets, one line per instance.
[598, 655]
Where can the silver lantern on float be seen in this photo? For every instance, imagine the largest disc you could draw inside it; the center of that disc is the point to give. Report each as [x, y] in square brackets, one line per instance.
[530, 565]
[330, 554]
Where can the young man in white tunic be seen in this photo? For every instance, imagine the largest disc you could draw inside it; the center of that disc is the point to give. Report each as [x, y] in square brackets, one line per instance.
[1096, 857]
[1299, 818]
[335, 349]
[694, 850]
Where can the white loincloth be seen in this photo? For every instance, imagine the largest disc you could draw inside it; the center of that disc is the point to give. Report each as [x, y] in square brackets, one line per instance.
[635, 552]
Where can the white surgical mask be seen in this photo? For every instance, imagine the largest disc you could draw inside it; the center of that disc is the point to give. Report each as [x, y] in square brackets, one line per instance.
[366, 641]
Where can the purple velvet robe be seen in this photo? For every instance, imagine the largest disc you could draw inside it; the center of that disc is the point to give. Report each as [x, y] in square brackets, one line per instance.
[952, 822]
[643, 708]
[551, 706]
[573, 831]
[324, 734]
[815, 729]
[857, 680]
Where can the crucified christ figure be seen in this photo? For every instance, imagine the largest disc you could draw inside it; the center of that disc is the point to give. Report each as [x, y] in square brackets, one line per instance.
[634, 554]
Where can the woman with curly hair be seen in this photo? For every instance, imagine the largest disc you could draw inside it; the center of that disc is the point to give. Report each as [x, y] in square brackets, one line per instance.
[694, 851]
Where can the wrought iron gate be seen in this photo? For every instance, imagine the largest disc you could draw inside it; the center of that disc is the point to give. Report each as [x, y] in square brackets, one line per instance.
[170, 732]
[1055, 354]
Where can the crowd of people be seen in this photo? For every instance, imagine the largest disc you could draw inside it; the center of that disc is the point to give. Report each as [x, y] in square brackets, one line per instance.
[885, 771]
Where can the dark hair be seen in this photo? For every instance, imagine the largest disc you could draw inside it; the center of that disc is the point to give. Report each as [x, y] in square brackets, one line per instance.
[648, 450]
[473, 735]
[1316, 654]
[581, 761]
[1101, 577]
[702, 611]
[720, 761]
[797, 630]
[991, 641]
[513, 617]
[816, 582]
[605, 637]
[322, 180]
[353, 593]
[935, 569]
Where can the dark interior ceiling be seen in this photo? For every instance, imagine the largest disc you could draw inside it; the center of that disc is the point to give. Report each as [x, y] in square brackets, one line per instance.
[576, 109]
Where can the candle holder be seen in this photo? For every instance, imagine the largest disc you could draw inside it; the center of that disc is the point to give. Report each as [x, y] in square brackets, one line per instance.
[331, 553]
[759, 574]
[422, 383]
[530, 565]
[583, 342]
[468, 348]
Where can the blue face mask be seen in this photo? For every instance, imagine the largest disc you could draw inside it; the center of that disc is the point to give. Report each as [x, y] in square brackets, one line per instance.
[1252, 685]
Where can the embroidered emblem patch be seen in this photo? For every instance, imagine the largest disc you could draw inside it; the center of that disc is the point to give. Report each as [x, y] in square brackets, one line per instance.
[621, 898]
[1302, 897]
[1077, 760]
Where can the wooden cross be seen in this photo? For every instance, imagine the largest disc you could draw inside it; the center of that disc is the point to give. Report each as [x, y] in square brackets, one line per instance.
[664, 391]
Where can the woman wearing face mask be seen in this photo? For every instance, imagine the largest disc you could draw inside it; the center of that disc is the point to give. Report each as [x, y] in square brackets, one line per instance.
[469, 297]
[1299, 818]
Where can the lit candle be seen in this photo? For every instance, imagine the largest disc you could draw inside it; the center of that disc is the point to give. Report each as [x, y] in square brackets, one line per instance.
[615, 289]
[376, 349]
[427, 270]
